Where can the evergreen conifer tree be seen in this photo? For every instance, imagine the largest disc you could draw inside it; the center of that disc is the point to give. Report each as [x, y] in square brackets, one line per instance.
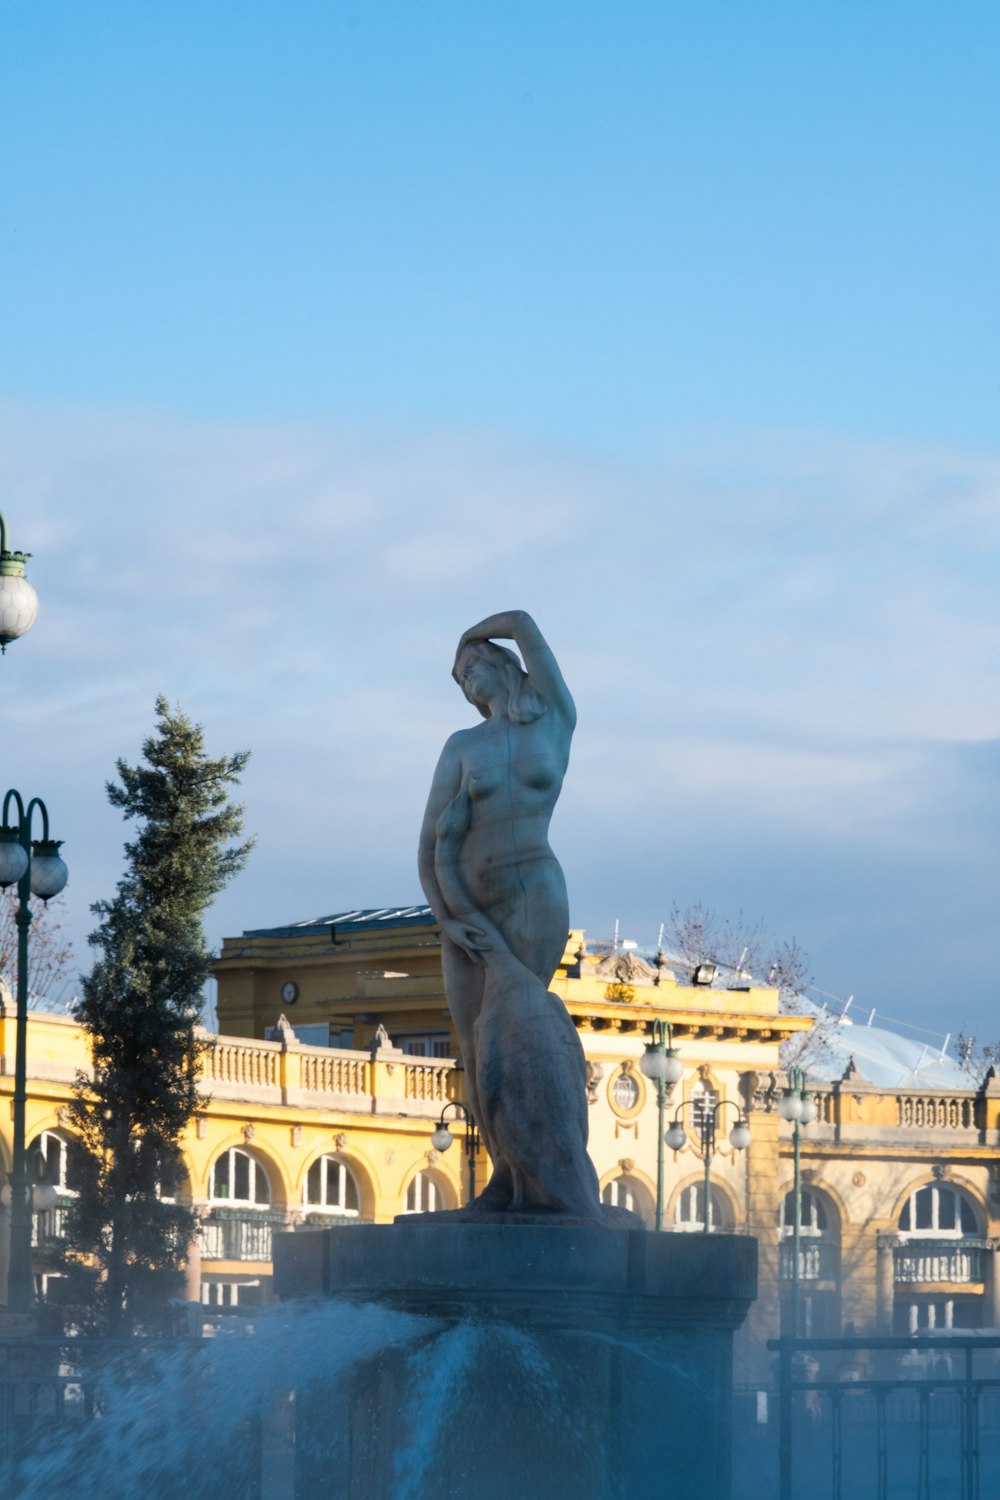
[141, 1005]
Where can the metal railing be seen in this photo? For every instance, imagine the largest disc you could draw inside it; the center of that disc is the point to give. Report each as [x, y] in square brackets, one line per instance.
[940, 1260]
[228, 1234]
[817, 1260]
[891, 1414]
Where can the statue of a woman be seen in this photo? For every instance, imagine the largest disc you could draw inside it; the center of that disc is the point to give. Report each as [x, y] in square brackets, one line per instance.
[498, 893]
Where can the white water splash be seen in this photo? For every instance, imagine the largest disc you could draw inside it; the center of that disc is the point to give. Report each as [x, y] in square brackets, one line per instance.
[179, 1422]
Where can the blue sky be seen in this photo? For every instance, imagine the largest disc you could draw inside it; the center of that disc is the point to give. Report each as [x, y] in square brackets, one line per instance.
[326, 329]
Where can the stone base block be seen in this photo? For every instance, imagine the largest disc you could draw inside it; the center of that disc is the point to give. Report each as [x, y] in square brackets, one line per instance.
[557, 1363]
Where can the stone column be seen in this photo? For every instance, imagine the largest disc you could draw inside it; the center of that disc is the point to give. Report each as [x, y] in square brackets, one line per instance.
[753, 1361]
[885, 1285]
[991, 1310]
[192, 1268]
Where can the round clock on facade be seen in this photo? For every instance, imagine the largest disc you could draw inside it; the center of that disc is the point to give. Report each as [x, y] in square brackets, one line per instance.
[290, 992]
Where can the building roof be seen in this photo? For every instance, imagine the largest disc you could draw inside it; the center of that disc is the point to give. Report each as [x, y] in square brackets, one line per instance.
[836, 1045]
[362, 919]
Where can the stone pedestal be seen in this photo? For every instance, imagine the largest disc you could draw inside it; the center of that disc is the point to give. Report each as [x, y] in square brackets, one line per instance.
[557, 1362]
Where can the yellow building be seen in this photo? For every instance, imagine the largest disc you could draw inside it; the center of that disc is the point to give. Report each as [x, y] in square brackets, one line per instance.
[336, 1057]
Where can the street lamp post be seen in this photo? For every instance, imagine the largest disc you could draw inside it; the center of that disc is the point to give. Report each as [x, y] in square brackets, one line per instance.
[661, 1064]
[18, 600]
[37, 869]
[442, 1138]
[739, 1139]
[799, 1108]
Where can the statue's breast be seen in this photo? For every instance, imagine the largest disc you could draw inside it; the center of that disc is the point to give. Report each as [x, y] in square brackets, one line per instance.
[485, 782]
[510, 764]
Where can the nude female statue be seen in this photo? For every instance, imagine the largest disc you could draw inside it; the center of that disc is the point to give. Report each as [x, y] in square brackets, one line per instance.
[498, 892]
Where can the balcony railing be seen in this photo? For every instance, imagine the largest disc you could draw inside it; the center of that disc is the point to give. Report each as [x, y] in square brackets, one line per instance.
[936, 1111]
[49, 1226]
[817, 1260]
[228, 1234]
[928, 1261]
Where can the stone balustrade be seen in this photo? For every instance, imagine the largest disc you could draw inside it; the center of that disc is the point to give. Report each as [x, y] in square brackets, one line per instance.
[334, 1072]
[826, 1106]
[243, 1064]
[249, 1071]
[936, 1111]
[244, 1070]
[853, 1110]
[427, 1081]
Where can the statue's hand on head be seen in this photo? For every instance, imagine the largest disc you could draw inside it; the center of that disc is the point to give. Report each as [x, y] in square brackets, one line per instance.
[505, 626]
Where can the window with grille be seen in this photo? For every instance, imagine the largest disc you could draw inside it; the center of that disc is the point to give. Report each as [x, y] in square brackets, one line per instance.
[425, 1043]
[331, 1185]
[703, 1101]
[238, 1178]
[230, 1293]
[813, 1219]
[61, 1160]
[625, 1092]
[938, 1211]
[937, 1314]
[423, 1196]
[626, 1192]
[689, 1210]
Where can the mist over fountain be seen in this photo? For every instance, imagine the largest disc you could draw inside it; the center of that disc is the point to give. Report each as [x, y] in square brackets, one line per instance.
[535, 1343]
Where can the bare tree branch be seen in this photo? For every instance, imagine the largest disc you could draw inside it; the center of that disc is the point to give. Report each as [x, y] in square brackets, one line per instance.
[739, 944]
[51, 964]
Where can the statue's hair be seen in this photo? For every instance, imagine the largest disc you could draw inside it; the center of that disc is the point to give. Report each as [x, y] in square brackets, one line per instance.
[523, 704]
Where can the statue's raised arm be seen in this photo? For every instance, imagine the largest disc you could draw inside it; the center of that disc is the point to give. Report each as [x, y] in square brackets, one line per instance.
[541, 668]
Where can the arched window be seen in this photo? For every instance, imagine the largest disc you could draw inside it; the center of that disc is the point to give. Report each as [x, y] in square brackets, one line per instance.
[628, 1192]
[331, 1185]
[818, 1262]
[689, 1210]
[238, 1178]
[813, 1216]
[60, 1160]
[939, 1212]
[423, 1196]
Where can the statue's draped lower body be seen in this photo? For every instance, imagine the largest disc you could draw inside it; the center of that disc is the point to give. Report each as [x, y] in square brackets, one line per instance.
[525, 1066]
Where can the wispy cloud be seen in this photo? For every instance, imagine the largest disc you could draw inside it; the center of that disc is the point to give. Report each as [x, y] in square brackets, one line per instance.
[780, 643]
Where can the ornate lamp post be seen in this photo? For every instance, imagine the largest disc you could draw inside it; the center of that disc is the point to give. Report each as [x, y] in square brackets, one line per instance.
[739, 1139]
[662, 1065]
[442, 1138]
[799, 1108]
[37, 869]
[18, 600]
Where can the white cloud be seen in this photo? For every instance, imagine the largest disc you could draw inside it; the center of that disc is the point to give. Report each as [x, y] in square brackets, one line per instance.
[772, 639]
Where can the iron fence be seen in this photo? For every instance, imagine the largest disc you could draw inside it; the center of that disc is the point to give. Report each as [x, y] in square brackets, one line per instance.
[889, 1417]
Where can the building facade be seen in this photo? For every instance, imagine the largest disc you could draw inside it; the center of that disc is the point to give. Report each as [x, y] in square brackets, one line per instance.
[335, 1059]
